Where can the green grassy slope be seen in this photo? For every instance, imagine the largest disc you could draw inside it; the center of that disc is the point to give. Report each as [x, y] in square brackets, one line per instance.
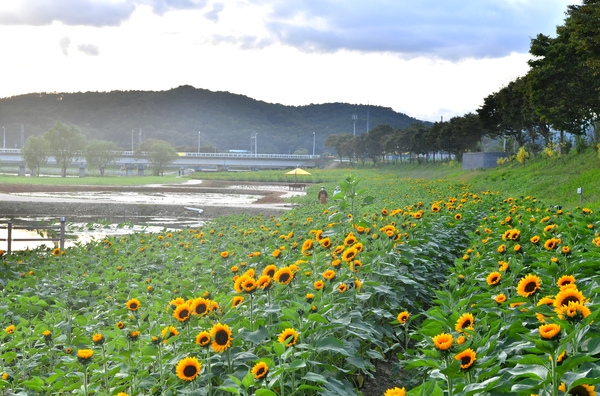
[552, 181]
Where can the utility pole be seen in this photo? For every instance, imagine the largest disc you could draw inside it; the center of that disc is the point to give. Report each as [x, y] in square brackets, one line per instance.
[354, 118]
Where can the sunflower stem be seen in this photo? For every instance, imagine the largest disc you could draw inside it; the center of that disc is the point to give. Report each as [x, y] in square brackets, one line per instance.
[105, 368]
[85, 381]
[553, 373]
[208, 368]
[160, 366]
[251, 312]
[449, 378]
[228, 360]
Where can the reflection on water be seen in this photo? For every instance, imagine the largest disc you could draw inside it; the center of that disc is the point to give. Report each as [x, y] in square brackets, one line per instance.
[79, 231]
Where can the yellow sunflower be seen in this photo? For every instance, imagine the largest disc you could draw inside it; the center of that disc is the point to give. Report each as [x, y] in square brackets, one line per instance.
[403, 317]
[284, 275]
[249, 285]
[349, 254]
[500, 298]
[339, 249]
[203, 338]
[329, 275]
[529, 285]
[395, 392]
[466, 321]
[260, 370]
[547, 300]
[85, 355]
[270, 270]
[98, 338]
[264, 282]
[200, 306]
[286, 334]
[467, 358]
[549, 331]
[182, 312]
[443, 341]
[565, 280]
[188, 368]
[168, 332]
[221, 336]
[342, 287]
[133, 304]
[307, 246]
[567, 295]
[319, 285]
[551, 244]
[237, 300]
[493, 278]
[583, 390]
[573, 311]
[350, 240]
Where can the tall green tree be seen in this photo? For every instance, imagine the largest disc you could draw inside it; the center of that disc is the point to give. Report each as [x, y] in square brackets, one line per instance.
[159, 153]
[376, 141]
[66, 144]
[564, 88]
[35, 153]
[459, 134]
[100, 154]
[341, 143]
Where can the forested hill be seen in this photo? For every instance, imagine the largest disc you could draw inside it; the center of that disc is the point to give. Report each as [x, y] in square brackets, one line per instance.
[225, 120]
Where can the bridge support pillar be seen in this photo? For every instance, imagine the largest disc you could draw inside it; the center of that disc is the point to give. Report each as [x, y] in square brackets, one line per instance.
[82, 170]
[140, 170]
[128, 169]
[219, 168]
[21, 169]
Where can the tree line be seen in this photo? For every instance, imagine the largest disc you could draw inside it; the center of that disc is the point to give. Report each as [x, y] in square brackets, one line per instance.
[67, 144]
[417, 141]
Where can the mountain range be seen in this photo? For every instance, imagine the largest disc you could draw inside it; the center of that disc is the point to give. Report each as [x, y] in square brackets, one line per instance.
[189, 118]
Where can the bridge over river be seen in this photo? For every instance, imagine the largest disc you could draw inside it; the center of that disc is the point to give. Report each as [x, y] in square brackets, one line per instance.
[197, 161]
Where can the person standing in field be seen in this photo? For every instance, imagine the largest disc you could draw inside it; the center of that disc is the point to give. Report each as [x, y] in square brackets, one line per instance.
[323, 196]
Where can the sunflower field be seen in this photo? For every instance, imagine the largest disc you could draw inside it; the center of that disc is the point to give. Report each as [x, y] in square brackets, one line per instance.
[458, 292]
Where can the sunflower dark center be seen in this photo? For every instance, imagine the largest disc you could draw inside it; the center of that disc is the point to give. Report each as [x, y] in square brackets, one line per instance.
[495, 279]
[284, 278]
[465, 360]
[530, 287]
[200, 309]
[569, 299]
[190, 371]
[271, 273]
[184, 313]
[221, 337]
[260, 372]
[133, 305]
[467, 323]
[579, 391]
[203, 340]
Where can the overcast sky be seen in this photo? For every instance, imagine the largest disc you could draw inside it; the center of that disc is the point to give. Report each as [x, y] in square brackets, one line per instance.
[425, 58]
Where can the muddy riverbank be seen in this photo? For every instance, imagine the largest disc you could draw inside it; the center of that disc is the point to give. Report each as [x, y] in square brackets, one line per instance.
[28, 200]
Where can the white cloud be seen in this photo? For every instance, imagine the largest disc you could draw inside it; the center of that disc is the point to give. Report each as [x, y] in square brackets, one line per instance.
[64, 44]
[425, 58]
